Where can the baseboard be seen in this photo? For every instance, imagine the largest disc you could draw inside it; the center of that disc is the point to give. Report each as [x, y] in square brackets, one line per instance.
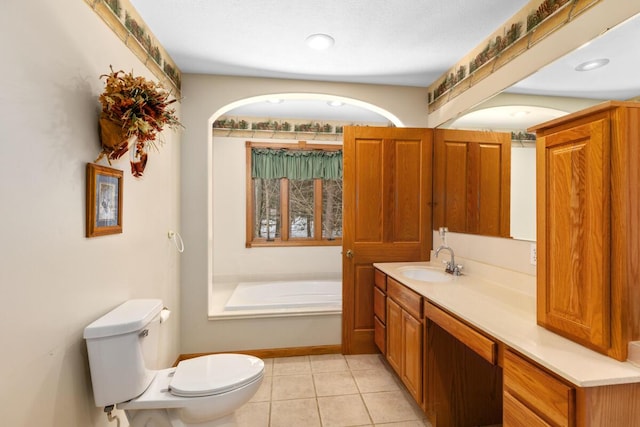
[274, 352]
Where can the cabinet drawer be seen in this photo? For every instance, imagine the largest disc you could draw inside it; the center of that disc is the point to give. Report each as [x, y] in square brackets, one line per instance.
[405, 297]
[380, 305]
[380, 335]
[517, 414]
[485, 347]
[547, 396]
[380, 279]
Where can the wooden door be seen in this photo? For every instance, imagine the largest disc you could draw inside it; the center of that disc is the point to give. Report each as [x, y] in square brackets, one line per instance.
[573, 233]
[386, 216]
[472, 181]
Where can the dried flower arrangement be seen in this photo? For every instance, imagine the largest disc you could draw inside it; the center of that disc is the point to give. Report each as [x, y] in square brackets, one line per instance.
[134, 111]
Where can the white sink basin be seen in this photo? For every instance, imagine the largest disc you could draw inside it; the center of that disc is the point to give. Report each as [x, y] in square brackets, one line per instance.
[426, 274]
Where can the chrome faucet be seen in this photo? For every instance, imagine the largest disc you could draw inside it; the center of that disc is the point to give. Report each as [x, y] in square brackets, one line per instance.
[450, 266]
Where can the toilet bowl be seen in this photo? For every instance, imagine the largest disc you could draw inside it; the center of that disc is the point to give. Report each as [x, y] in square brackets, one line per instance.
[123, 353]
[203, 391]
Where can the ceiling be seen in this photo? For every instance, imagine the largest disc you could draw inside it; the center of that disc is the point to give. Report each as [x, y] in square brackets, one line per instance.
[394, 42]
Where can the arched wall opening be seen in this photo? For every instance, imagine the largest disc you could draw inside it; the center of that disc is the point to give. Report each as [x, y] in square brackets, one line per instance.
[209, 97]
[387, 115]
[221, 263]
[230, 262]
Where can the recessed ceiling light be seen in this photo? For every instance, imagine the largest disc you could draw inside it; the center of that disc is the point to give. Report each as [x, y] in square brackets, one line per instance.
[592, 65]
[275, 101]
[336, 103]
[320, 41]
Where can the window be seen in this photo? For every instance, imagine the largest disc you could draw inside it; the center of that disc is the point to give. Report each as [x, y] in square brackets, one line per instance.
[294, 194]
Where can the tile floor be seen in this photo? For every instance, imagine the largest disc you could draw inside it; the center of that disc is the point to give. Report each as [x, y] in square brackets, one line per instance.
[330, 391]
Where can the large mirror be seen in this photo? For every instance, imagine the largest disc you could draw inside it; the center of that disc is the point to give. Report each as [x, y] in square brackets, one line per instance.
[604, 69]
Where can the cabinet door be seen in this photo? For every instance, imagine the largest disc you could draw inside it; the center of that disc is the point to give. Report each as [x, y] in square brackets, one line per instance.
[394, 336]
[413, 362]
[472, 187]
[573, 233]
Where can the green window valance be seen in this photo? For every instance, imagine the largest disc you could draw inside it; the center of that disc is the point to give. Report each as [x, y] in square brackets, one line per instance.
[267, 163]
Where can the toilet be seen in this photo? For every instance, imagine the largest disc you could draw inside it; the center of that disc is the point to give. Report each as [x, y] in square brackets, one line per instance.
[123, 348]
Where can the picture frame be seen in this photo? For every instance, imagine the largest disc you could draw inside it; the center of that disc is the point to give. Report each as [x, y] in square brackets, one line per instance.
[104, 200]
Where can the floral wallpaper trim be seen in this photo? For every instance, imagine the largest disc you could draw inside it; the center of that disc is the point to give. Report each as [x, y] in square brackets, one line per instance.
[284, 127]
[126, 23]
[557, 12]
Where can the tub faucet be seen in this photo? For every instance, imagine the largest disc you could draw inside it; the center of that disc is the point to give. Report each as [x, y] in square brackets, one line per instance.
[450, 266]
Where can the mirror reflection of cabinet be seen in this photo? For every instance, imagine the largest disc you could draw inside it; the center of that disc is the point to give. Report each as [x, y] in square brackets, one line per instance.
[472, 172]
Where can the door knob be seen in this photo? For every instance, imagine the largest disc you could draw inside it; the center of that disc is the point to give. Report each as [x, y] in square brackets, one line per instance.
[349, 253]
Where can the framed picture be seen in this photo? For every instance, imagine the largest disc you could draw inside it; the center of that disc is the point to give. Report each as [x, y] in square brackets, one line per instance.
[104, 200]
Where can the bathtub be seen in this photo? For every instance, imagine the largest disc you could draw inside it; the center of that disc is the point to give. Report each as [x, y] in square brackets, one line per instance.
[277, 312]
[307, 295]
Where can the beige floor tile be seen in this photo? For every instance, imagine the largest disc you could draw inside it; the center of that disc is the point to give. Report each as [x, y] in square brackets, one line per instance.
[364, 361]
[294, 413]
[328, 363]
[268, 367]
[292, 387]
[254, 414]
[334, 383]
[342, 411]
[390, 406]
[374, 380]
[264, 392]
[291, 365]
[330, 391]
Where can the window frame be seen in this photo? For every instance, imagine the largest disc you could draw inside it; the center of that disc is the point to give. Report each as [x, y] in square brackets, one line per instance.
[284, 239]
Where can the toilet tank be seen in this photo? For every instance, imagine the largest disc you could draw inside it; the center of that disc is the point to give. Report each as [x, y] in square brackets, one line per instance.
[123, 350]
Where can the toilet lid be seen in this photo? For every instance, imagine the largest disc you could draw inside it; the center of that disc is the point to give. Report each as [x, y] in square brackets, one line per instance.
[215, 374]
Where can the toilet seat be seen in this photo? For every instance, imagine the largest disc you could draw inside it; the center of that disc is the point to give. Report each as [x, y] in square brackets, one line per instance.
[214, 374]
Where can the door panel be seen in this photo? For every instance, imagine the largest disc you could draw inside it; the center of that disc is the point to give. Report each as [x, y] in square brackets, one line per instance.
[367, 186]
[451, 195]
[387, 216]
[363, 291]
[407, 191]
[490, 189]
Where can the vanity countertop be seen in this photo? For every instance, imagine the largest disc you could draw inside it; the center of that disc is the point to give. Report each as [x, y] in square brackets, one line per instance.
[507, 312]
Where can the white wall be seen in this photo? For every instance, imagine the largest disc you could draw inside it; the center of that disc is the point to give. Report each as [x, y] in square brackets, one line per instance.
[232, 261]
[523, 192]
[53, 280]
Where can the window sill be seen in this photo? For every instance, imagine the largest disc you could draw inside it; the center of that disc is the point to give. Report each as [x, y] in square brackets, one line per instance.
[293, 243]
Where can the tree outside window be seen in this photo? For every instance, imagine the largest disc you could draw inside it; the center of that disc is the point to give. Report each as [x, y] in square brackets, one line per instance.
[294, 195]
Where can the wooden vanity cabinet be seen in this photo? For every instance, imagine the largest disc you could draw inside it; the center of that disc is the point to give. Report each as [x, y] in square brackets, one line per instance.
[588, 230]
[404, 336]
[533, 397]
[472, 182]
